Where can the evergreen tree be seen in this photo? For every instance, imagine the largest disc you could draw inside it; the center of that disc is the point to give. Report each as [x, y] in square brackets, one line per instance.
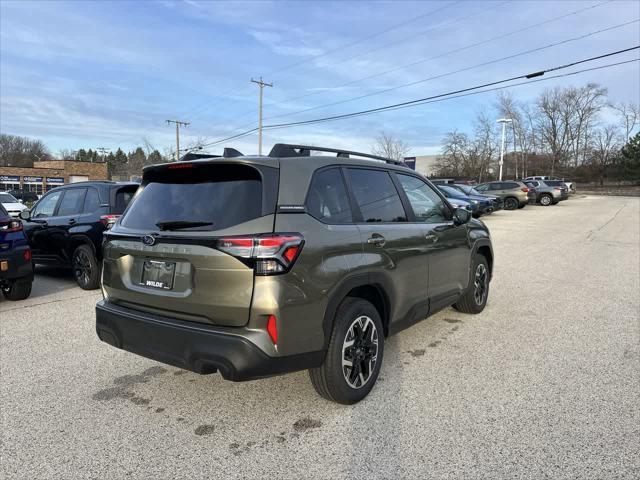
[81, 155]
[154, 157]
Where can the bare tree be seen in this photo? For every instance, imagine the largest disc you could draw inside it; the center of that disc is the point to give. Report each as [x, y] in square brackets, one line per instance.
[629, 114]
[605, 147]
[18, 151]
[390, 147]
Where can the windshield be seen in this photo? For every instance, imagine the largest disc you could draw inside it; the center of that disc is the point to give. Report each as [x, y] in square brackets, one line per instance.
[450, 191]
[7, 198]
[209, 197]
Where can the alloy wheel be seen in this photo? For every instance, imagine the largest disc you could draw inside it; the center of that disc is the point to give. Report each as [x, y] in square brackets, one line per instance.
[545, 200]
[82, 267]
[360, 352]
[480, 283]
[511, 204]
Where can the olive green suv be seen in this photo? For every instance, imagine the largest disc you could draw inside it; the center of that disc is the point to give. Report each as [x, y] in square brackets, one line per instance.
[258, 265]
[513, 193]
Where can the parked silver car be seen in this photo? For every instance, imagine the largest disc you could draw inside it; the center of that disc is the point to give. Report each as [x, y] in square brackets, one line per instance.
[544, 194]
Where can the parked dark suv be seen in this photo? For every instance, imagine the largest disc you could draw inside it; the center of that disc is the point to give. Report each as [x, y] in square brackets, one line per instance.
[65, 227]
[16, 269]
[256, 266]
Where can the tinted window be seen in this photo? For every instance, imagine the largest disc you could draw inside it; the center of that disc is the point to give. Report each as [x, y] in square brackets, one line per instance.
[327, 199]
[123, 197]
[450, 191]
[482, 188]
[91, 201]
[46, 206]
[224, 195]
[72, 201]
[427, 205]
[496, 186]
[376, 196]
[555, 183]
[510, 185]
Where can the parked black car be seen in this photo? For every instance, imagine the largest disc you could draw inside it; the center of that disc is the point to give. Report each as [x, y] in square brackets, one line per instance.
[65, 227]
[24, 195]
[16, 269]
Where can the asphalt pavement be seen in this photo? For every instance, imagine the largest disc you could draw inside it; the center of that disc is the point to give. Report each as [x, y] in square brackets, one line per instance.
[545, 383]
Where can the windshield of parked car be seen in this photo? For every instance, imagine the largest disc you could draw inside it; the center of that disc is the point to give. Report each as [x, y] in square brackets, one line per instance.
[450, 191]
[7, 198]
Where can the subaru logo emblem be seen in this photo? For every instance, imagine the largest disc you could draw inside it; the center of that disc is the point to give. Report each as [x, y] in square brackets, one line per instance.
[148, 240]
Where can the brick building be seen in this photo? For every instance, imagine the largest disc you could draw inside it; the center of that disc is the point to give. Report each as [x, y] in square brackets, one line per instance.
[50, 173]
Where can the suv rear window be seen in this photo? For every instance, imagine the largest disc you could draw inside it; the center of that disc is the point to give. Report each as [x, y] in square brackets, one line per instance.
[123, 197]
[223, 195]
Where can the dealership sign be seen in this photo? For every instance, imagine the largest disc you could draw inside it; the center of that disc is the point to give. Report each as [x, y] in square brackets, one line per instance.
[9, 179]
[55, 180]
[32, 179]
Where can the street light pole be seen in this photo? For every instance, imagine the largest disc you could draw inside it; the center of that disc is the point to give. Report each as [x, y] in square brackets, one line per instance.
[504, 122]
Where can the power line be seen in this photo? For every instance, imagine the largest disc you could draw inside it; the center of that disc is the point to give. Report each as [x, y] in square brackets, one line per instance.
[412, 64]
[341, 48]
[483, 64]
[442, 96]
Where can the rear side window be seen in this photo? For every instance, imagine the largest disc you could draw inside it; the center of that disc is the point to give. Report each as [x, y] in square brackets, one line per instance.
[555, 183]
[220, 195]
[376, 196]
[123, 197]
[510, 185]
[72, 202]
[91, 201]
[327, 199]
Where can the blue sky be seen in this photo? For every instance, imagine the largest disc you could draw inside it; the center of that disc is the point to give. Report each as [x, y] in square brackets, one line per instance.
[87, 74]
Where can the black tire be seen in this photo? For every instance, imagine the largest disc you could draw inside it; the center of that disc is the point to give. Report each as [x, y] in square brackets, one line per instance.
[470, 301]
[546, 200]
[86, 268]
[330, 379]
[522, 205]
[18, 290]
[511, 203]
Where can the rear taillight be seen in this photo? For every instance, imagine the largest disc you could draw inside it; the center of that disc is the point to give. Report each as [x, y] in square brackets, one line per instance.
[10, 226]
[270, 254]
[524, 189]
[27, 255]
[109, 220]
[557, 188]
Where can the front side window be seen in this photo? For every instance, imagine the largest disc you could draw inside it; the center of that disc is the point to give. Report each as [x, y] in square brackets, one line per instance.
[376, 196]
[327, 199]
[72, 202]
[427, 205]
[46, 206]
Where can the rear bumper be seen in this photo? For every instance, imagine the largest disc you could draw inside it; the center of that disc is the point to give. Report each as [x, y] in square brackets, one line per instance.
[199, 348]
[17, 266]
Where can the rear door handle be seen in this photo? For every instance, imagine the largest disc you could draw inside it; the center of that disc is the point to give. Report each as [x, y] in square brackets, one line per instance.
[376, 239]
[431, 237]
[72, 221]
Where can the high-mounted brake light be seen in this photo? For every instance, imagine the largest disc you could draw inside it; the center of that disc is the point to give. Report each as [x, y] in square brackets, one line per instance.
[109, 220]
[270, 254]
[174, 166]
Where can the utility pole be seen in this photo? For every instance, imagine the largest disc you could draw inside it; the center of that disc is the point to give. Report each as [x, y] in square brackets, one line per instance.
[178, 123]
[261, 84]
[102, 151]
[504, 122]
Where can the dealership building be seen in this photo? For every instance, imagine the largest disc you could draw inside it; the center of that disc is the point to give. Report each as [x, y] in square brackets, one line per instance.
[48, 174]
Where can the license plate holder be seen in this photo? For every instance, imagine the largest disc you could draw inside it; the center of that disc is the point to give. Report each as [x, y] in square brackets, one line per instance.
[158, 274]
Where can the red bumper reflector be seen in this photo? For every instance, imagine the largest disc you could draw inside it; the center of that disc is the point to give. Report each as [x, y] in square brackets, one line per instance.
[27, 255]
[272, 330]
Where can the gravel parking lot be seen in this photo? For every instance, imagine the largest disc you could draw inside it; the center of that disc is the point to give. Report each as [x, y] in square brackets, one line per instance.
[544, 383]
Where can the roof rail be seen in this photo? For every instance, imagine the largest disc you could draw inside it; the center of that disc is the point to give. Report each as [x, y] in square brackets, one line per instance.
[280, 150]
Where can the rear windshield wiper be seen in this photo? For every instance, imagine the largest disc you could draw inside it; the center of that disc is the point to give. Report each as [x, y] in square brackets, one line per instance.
[179, 224]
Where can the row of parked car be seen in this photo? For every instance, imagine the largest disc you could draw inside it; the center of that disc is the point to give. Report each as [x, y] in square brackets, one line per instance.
[65, 227]
[489, 197]
[254, 266]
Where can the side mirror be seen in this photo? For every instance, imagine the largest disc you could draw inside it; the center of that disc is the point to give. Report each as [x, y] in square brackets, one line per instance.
[25, 215]
[20, 200]
[461, 216]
